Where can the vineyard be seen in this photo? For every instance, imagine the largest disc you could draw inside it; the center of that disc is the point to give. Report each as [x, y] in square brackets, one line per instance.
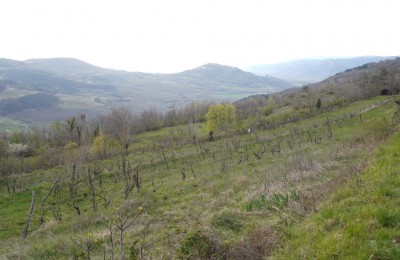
[169, 195]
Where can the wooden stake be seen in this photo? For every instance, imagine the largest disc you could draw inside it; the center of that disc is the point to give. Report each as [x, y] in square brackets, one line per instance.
[25, 232]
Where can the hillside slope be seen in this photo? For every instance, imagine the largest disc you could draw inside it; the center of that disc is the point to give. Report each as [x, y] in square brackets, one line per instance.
[82, 87]
[196, 199]
[361, 220]
[368, 80]
[303, 72]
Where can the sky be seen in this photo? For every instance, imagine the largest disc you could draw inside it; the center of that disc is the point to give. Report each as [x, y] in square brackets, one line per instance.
[174, 35]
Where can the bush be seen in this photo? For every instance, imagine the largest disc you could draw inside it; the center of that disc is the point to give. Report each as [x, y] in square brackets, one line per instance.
[229, 221]
[275, 201]
[199, 246]
[21, 150]
[268, 110]
[258, 244]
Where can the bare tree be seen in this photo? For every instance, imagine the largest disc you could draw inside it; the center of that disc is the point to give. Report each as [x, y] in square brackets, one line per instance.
[91, 182]
[120, 124]
[125, 219]
[150, 119]
[87, 245]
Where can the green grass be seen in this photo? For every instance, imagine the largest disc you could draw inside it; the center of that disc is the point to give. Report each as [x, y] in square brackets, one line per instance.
[209, 205]
[361, 220]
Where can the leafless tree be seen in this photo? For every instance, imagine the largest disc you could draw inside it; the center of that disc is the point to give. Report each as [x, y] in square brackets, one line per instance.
[125, 218]
[120, 124]
[92, 189]
[87, 245]
[150, 119]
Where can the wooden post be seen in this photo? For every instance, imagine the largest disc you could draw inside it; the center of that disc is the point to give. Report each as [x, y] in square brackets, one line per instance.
[165, 160]
[25, 232]
[94, 204]
[52, 188]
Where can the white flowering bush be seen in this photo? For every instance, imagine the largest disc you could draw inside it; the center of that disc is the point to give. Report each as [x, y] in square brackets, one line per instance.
[18, 149]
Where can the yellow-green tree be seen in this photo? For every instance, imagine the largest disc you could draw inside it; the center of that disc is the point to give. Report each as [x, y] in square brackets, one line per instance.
[221, 117]
[102, 146]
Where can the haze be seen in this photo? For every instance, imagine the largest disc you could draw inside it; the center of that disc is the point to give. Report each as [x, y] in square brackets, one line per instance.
[174, 35]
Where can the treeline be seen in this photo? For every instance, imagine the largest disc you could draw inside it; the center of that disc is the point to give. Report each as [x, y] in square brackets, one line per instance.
[99, 137]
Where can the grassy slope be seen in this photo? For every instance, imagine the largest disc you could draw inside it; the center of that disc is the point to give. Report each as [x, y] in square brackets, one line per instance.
[361, 220]
[225, 183]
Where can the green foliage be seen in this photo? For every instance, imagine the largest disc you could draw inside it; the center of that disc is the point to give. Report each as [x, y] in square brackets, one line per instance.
[319, 103]
[275, 201]
[256, 203]
[388, 218]
[103, 145]
[198, 246]
[229, 221]
[268, 110]
[221, 117]
[133, 253]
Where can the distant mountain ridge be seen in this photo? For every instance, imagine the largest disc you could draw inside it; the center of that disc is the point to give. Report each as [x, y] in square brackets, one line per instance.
[365, 81]
[64, 65]
[82, 87]
[301, 72]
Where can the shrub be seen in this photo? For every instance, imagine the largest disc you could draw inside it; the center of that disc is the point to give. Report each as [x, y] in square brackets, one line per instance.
[198, 246]
[256, 203]
[257, 244]
[268, 110]
[19, 149]
[275, 201]
[229, 221]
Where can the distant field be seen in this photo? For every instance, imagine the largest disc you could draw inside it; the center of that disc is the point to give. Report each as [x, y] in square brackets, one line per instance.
[77, 102]
[11, 125]
[15, 93]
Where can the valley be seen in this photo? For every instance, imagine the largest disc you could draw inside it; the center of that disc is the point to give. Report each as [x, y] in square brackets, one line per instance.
[79, 87]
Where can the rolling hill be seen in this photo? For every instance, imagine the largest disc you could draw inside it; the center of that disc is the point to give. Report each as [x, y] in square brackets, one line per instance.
[82, 87]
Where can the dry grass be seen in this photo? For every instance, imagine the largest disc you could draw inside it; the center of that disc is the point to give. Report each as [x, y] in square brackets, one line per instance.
[257, 244]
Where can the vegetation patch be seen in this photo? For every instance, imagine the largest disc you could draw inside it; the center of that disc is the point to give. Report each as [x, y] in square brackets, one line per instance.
[361, 220]
[199, 246]
[275, 201]
[229, 221]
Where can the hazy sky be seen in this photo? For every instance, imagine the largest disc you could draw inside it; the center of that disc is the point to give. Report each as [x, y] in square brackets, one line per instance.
[173, 35]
